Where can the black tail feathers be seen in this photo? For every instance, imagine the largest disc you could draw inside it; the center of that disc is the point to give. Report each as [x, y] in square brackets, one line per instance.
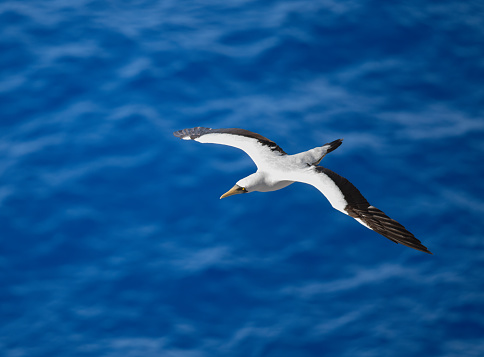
[333, 145]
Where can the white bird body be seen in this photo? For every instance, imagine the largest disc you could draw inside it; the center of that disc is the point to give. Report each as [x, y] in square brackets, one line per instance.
[276, 170]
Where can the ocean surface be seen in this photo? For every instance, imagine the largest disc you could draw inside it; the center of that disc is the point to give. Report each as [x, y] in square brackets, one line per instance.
[114, 241]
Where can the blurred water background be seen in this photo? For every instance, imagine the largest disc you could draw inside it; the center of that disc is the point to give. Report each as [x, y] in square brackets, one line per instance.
[114, 241]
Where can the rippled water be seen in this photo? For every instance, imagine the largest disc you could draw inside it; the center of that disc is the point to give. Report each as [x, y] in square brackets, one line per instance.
[114, 241]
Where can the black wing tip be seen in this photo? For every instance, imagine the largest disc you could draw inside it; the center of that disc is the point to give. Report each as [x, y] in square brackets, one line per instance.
[191, 133]
[422, 248]
[379, 222]
[415, 245]
[408, 241]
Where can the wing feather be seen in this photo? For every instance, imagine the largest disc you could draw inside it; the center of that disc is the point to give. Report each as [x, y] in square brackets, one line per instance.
[260, 149]
[345, 197]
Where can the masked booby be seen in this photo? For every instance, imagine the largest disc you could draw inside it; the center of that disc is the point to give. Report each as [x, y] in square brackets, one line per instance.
[276, 170]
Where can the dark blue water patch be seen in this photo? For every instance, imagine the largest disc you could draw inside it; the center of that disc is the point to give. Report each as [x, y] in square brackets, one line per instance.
[11, 18]
[16, 57]
[245, 36]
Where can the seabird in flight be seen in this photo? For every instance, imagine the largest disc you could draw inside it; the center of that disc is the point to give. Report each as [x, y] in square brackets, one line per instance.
[276, 170]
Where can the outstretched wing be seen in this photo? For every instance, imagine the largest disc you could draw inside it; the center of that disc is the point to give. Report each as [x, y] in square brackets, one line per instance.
[259, 148]
[346, 198]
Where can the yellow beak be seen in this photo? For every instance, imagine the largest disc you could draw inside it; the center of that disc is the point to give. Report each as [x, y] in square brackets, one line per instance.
[233, 191]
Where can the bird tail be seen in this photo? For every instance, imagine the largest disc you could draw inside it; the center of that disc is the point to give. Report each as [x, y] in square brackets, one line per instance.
[327, 148]
[333, 145]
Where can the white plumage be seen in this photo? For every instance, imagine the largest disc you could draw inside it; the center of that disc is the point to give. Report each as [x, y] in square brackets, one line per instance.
[276, 170]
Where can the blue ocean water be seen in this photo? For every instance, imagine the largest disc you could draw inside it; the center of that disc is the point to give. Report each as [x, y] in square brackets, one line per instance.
[114, 241]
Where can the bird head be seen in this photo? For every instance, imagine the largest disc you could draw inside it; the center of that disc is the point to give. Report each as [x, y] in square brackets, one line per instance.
[248, 184]
[234, 191]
